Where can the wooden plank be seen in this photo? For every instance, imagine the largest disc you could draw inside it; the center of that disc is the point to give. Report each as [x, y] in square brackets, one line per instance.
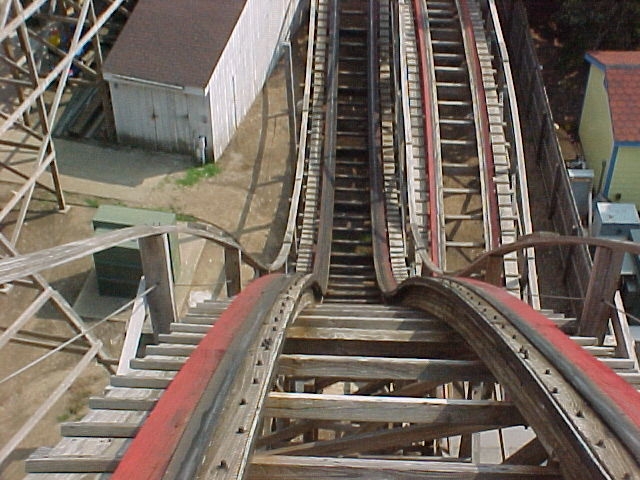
[373, 348]
[105, 423]
[369, 441]
[134, 330]
[143, 379]
[359, 408]
[99, 429]
[367, 322]
[405, 336]
[51, 399]
[171, 364]
[76, 455]
[362, 368]
[265, 467]
[603, 282]
[126, 399]
[156, 265]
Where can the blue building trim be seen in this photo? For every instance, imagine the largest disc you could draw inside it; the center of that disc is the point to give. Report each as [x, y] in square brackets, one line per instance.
[593, 61]
[629, 143]
[611, 166]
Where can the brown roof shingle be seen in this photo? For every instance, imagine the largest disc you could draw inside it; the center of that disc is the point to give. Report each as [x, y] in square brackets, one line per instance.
[622, 77]
[175, 42]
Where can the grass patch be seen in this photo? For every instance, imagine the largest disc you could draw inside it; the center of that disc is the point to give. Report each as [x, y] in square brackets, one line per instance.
[185, 217]
[92, 202]
[195, 174]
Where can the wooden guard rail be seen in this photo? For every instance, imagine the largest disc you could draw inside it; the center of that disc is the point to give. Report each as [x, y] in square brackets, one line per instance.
[542, 150]
[603, 281]
[154, 252]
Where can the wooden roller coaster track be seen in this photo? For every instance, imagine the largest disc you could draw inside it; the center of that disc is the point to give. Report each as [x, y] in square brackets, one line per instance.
[346, 369]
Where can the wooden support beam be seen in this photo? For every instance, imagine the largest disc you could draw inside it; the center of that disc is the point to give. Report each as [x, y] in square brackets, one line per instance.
[156, 266]
[603, 282]
[232, 270]
[381, 439]
[371, 348]
[363, 321]
[359, 408]
[532, 453]
[366, 368]
[493, 272]
[265, 467]
[359, 334]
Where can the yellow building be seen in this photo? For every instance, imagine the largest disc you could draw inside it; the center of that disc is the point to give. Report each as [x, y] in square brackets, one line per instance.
[610, 124]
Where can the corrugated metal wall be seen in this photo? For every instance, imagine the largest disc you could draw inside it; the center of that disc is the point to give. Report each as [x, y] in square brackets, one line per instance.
[171, 120]
[244, 64]
[157, 118]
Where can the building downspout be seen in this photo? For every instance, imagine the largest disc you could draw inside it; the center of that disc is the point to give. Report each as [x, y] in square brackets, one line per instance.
[610, 170]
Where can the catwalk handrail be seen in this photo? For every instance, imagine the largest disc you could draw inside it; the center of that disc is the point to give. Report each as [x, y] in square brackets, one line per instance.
[23, 265]
[516, 150]
[603, 281]
[289, 237]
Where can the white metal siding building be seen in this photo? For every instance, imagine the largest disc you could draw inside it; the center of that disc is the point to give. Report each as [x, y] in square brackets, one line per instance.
[185, 69]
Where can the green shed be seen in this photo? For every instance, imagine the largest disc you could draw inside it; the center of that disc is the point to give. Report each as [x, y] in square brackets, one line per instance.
[119, 269]
[610, 124]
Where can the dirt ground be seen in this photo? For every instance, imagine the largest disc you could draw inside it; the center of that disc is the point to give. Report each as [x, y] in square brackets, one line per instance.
[245, 198]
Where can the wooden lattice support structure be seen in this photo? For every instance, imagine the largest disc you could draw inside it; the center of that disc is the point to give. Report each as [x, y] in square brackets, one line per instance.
[47, 48]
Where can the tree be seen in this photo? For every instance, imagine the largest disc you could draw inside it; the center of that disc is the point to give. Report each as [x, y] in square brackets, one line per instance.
[598, 25]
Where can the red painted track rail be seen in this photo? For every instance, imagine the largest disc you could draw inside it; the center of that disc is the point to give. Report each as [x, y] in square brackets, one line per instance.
[565, 394]
[427, 101]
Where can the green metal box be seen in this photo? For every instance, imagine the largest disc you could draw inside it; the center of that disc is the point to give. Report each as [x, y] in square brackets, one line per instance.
[119, 268]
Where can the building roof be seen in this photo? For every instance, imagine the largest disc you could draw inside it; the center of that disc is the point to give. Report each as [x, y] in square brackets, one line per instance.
[622, 82]
[174, 42]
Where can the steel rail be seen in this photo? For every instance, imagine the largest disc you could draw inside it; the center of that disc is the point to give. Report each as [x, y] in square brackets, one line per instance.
[615, 400]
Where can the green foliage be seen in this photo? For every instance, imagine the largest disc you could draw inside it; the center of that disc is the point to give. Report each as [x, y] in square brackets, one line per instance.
[596, 25]
[92, 202]
[195, 174]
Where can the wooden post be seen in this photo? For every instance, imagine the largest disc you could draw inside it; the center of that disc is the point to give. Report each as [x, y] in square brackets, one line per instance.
[291, 93]
[541, 137]
[553, 203]
[493, 274]
[156, 267]
[603, 283]
[232, 270]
